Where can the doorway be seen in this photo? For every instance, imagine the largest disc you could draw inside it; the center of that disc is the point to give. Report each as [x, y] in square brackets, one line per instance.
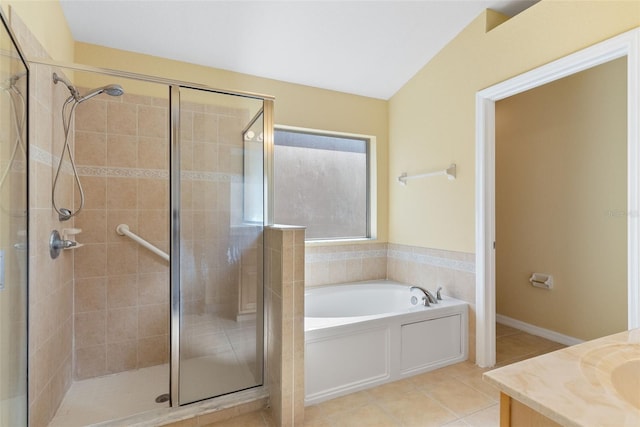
[617, 47]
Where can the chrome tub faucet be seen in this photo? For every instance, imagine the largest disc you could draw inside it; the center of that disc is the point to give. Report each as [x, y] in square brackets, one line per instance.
[428, 297]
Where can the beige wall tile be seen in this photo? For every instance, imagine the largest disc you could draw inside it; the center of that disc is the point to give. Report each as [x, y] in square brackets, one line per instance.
[230, 159]
[90, 362]
[205, 127]
[90, 329]
[122, 118]
[153, 153]
[122, 151]
[284, 327]
[205, 156]
[122, 193]
[122, 356]
[131, 98]
[93, 223]
[90, 260]
[95, 191]
[122, 291]
[90, 148]
[153, 320]
[153, 121]
[230, 130]
[121, 324]
[90, 294]
[153, 351]
[153, 194]
[153, 288]
[122, 258]
[186, 125]
[154, 224]
[91, 116]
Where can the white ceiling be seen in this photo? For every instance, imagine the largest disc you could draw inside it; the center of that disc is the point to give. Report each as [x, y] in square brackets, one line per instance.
[368, 48]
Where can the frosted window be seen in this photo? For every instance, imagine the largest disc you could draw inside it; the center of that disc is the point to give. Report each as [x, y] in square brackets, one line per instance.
[321, 182]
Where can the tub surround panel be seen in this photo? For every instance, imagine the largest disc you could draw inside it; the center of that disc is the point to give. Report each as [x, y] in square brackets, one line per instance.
[344, 263]
[284, 295]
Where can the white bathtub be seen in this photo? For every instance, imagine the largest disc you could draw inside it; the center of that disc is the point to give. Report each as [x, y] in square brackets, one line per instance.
[365, 334]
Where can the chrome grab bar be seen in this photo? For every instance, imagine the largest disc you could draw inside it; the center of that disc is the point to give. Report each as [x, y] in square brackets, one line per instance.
[123, 230]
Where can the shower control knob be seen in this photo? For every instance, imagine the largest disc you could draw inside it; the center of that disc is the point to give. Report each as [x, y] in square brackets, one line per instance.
[56, 244]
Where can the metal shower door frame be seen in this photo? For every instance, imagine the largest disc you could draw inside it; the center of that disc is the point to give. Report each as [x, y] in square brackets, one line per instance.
[175, 197]
[174, 86]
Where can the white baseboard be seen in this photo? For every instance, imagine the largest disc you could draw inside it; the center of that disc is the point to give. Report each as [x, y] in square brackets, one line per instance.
[538, 331]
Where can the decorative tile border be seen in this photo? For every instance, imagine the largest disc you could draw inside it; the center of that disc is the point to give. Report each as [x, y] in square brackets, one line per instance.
[211, 176]
[452, 264]
[401, 255]
[42, 156]
[111, 172]
[345, 255]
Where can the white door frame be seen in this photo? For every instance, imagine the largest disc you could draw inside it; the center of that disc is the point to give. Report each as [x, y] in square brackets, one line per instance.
[626, 44]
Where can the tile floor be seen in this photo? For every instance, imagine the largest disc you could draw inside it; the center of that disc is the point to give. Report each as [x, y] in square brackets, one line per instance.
[454, 396]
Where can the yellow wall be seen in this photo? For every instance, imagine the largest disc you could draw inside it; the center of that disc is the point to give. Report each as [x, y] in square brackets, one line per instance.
[432, 118]
[47, 23]
[561, 199]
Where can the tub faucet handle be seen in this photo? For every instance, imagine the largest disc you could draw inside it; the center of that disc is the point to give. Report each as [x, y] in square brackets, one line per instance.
[439, 293]
[428, 297]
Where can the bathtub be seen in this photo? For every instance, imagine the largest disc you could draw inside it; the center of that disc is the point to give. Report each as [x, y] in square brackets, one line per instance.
[361, 335]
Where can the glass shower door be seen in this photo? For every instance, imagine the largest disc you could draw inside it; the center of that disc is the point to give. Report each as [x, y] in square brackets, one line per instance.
[220, 234]
[13, 234]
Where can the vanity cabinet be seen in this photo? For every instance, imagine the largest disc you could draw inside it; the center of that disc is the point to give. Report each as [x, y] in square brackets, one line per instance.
[516, 414]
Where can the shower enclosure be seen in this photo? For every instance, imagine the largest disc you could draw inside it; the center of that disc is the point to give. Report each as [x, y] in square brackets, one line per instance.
[13, 232]
[183, 167]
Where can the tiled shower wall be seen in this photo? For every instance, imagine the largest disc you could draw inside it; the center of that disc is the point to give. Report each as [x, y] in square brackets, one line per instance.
[50, 281]
[121, 289]
[211, 157]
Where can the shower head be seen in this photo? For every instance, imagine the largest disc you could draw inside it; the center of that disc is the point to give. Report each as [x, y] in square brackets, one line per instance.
[112, 90]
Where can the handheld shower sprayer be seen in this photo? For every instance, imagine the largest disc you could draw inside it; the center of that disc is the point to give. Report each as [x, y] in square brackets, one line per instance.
[67, 117]
[112, 90]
